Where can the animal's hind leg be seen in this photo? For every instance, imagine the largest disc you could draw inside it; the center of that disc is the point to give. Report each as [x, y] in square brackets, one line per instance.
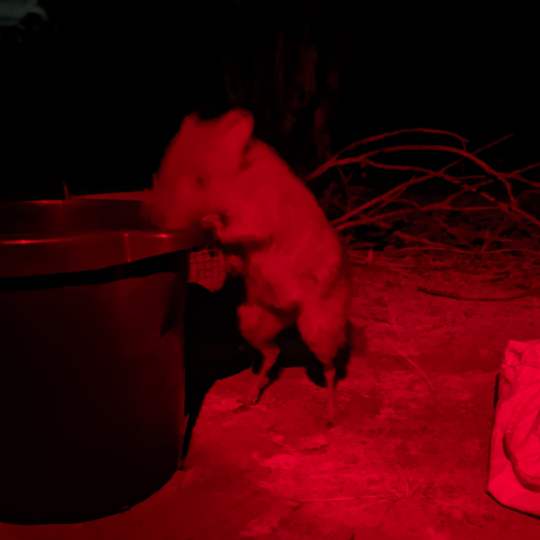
[330, 416]
[323, 331]
[269, 354]
[260, 328]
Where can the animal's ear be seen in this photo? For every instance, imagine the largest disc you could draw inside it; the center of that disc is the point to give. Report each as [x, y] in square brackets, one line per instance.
[187, 128]
[238, 128]
[189, 123]
[180, 147]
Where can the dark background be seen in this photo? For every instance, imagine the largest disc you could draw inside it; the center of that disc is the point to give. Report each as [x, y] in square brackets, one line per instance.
[92, 95]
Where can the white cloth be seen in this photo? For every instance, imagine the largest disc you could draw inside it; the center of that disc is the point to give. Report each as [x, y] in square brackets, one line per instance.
[514, 474]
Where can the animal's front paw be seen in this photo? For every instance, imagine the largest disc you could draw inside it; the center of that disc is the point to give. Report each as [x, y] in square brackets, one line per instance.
[235, 265]
[213, 222]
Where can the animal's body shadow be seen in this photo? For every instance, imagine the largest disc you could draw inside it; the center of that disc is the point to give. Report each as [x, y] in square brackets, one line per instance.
[215, 349]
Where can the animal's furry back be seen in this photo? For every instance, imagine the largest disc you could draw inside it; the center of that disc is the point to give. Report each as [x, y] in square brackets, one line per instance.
[299, 253]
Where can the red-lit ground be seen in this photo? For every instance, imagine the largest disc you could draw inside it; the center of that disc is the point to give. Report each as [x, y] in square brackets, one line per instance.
[407, 460]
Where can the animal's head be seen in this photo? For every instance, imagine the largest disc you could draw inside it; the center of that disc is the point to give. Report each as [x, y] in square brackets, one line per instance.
[202, 151]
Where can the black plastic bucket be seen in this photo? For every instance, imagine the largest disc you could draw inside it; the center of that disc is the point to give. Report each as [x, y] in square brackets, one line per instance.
[91, 358]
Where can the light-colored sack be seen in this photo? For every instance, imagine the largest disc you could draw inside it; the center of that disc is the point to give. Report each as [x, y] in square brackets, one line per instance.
[514, 473]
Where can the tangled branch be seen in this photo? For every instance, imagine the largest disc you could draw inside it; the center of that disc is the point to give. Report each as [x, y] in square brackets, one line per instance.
[465, 204]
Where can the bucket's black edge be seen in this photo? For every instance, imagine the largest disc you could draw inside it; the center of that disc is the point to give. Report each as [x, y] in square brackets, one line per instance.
[168, 262]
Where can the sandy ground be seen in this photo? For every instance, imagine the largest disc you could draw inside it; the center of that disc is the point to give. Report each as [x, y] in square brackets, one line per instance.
[407, 459]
